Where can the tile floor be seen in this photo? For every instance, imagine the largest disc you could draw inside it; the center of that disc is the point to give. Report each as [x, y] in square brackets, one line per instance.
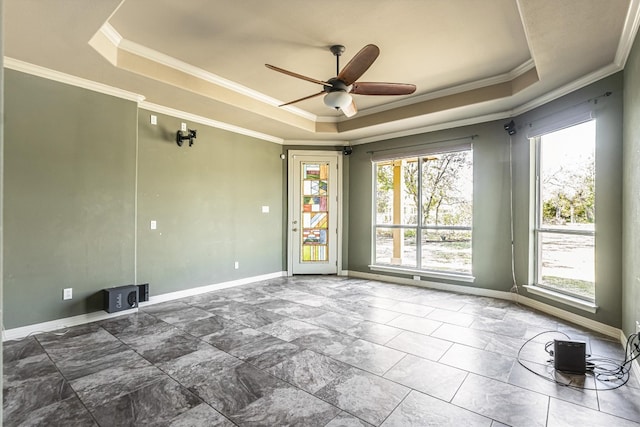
[309, 351]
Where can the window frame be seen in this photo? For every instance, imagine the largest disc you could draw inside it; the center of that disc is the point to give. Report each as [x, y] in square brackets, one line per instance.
[539, 230]
[419, 228]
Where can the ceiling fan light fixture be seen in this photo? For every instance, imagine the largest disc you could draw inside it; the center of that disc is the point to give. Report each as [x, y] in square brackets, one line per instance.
[337, 99]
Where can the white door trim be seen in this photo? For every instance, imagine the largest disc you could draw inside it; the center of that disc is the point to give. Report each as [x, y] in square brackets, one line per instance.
[292, 214]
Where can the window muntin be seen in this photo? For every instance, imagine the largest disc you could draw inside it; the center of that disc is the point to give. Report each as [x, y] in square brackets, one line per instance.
[565, 211]
[423, 212]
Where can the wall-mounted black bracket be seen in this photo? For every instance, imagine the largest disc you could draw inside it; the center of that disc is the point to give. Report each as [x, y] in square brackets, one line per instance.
[180, 138]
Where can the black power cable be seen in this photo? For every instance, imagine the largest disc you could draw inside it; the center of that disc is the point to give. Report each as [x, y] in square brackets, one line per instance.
[604, 369]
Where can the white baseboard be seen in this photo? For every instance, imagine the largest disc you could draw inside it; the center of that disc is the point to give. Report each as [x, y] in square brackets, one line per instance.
[67, 322]
[545, 308]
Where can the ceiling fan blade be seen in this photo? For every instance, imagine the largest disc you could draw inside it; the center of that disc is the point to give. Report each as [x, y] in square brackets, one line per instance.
[302, 99]
[350, 110]
[376, 88]
[296, 75]
[359, 64]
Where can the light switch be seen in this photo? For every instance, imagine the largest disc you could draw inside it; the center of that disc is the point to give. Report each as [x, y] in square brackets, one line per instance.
[265, 209]
[154, 119]
[154, 225]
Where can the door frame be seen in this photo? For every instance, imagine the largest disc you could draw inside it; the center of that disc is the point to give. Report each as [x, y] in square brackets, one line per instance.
[291, 213]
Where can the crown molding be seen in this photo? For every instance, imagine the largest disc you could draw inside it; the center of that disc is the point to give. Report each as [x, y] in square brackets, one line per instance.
[316, 143]
[453, 90]
[46, 73]
[629, 31]
[112, 35]
[208, 122]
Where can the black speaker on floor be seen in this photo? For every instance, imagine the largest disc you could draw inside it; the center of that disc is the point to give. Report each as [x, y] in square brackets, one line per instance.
[120, 298]
[570, 356]
[143, 292]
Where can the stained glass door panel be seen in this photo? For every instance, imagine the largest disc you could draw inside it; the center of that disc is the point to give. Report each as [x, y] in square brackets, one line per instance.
[315, 212]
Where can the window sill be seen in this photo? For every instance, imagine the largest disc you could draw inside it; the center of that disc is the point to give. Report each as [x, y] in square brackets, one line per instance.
[560, 297]
[459, 277]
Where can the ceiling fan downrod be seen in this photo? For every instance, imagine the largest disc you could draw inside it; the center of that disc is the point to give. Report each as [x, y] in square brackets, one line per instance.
[337, 50]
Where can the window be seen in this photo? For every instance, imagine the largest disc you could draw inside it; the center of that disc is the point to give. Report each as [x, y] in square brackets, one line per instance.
[565, 211]
[423, 209]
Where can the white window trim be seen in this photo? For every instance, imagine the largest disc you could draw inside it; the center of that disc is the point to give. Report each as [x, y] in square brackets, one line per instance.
[459, 277]
[378, 157]
[534, 135]
[581, 304]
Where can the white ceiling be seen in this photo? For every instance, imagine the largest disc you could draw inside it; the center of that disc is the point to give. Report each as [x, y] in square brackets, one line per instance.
[470, 60]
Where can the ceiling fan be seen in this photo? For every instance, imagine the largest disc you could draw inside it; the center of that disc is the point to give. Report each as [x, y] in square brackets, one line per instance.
[338, 90]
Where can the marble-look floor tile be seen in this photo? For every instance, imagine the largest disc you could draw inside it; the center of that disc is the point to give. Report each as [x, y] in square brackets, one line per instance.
[415, 324]
[76, 345]
[197, 367]
[286, 406]
[23, 397]
[370, 357]
[334, 321]
[228, 309]
[374, 332]
[420, 345]
[164, 344]
[266, 352]
[165, 307]
[64, 413]
[291, 329]
[76, 365]
[258, 318]
[325, 341]
[452, 317]
[542, 383]
[154, 404]
[233, 388]
[210, 325]
[201, 415]
[565, 414]
[480, 362]
[229, 339]
[185, 316]
[432, 378]
[309, 370]
[624, 402]
[107, 384]
[27, 368]
[344, 419]
[411, 309]
[418, 409]
[506, 403]
[364, 395]
[500, 327]
[475, 309]
[19, 349]
[461, 335]
[378, 315]
[129, 324]
[292, 309]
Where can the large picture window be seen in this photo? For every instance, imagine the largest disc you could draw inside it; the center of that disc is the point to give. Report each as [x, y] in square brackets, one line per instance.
[565, 210]
[423, 210]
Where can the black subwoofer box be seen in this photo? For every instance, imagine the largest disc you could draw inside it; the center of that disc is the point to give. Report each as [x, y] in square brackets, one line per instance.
[120, 298]
[570, 356]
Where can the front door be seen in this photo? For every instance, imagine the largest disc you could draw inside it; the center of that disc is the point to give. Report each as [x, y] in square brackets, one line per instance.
[313, 212]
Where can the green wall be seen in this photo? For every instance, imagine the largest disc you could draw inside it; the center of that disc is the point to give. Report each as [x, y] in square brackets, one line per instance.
[68, 197]
[491, 242]
[207, 200]
[85, 173]
[491, 196]
[631, 192]
[608, 204]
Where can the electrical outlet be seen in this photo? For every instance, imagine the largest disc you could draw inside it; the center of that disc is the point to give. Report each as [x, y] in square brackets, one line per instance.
[67, 293]
[183, 127]
[416, 277]
[236, 265]
[154, 119]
